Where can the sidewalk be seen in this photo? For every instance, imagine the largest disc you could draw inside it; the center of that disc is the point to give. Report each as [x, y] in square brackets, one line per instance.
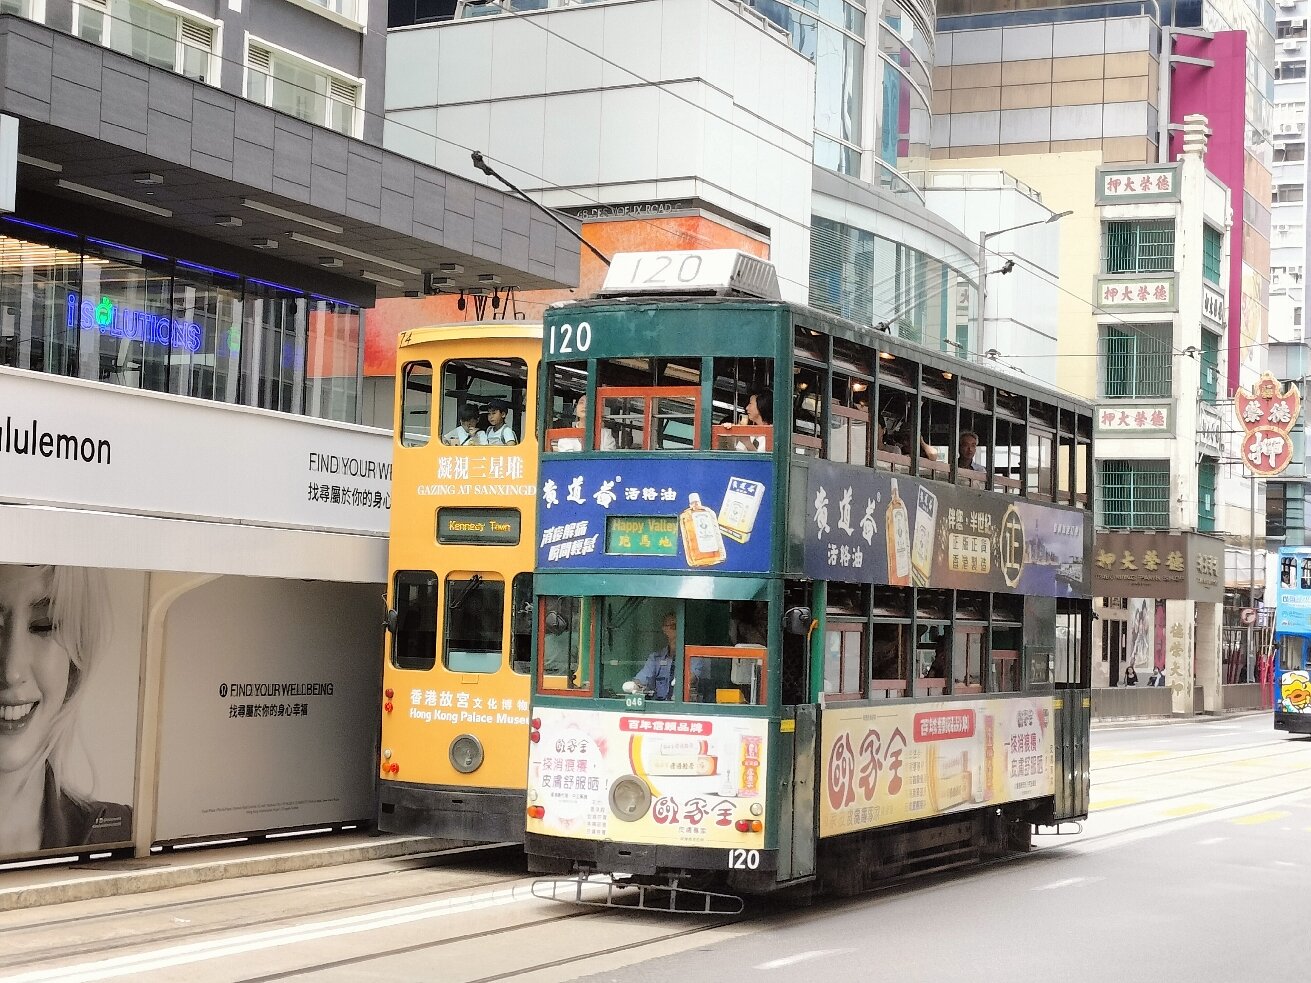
[31, 887]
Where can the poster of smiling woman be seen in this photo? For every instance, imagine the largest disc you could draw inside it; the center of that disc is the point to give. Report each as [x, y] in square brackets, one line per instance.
[69, 667]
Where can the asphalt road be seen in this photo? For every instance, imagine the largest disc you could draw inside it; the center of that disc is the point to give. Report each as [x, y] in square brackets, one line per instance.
[1188, 869]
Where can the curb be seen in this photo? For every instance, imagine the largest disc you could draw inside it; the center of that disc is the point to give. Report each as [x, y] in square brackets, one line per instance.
[1128, 723]
[170, 870]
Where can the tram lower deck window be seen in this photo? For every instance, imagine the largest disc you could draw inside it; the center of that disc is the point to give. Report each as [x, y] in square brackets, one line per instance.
[475, 622]
[414, 637]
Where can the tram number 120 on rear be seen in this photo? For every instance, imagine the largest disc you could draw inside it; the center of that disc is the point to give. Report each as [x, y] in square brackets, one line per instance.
[739, 859]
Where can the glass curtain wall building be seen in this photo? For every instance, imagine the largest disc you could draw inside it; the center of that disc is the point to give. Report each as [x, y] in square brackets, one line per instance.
[89, 309]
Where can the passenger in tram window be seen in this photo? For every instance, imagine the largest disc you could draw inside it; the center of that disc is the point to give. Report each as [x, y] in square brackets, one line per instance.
[498, 431]
[53, 623]
[467, 432]
[759, 413]
[968, 447]
[657, 675]
[580, 422]
[748, 624]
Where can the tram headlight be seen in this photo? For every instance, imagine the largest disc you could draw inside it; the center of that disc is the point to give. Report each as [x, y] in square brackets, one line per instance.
[630, 798]
[466, 754]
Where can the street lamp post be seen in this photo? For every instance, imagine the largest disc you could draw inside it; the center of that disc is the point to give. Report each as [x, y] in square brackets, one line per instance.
[983, 268]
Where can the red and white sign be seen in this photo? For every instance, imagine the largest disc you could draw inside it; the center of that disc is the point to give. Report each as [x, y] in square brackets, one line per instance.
[1267, 414]
[1128, 418]
[1118, 184]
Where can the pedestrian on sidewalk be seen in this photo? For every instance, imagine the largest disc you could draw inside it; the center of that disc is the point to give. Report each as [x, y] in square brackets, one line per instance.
[1130, 676]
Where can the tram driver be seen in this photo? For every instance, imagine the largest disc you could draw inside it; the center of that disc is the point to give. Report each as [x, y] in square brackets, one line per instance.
[657, 675]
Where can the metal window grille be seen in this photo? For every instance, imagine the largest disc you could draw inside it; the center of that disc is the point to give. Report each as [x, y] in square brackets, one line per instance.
[1137, 362]
[1212, 246]
[1206, 496]
[1138, 247]
[1135, 494]
[1210, 366]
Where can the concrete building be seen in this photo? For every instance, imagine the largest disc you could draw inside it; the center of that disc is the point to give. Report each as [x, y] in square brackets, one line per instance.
[203, 210]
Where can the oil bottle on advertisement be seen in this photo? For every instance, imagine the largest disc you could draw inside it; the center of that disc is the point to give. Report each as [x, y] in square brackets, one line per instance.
[737, 514]
[926, 524]
[898, 529]
[741, 771]
[702, 543]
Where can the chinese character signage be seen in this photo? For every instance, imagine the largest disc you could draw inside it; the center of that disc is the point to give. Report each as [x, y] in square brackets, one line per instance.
[699, 776]
[1267, 414]
[1293, 598]
[1137, 293]
[1209, 430]
[1168, 566]
[1213, 304]
[1128, 185]
[872, 527]
[651, 513]
[1120, 418]
[894, 764]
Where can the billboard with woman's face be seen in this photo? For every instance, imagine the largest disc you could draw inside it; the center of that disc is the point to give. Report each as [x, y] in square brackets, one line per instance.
[69, 671]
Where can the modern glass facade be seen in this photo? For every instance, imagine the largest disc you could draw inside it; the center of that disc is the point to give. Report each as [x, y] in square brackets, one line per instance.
[867, 278]
[81, 307]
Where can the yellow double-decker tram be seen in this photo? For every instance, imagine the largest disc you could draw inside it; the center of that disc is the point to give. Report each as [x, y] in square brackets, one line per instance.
[455, 683]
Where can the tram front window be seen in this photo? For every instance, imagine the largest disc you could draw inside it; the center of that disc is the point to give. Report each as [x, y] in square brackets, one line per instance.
[475, 622]
[562, 665]
[639, 647]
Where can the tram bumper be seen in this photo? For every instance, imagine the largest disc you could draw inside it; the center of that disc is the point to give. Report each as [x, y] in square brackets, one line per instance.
[450, 812]
[560, 854]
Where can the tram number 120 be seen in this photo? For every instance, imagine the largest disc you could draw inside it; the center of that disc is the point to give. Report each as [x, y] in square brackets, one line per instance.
[743, 859]
[566, 339]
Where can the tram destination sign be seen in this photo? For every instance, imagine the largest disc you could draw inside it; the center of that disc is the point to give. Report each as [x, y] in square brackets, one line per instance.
[651, 512]
[478, 527]
[872, 527]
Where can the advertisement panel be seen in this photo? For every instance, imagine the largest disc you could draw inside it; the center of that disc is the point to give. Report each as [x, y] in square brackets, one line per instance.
[1171, 566]
[1294, 692]
[643, 778]
[1293, 596]
[653, 513]
[873, 527]
[69, 670]
[268, 720]
[896, 763]
[75, 443]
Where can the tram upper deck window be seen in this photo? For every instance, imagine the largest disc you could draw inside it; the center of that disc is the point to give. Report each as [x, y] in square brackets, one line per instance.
[1008, 449]
[1084, 464]
[563, 663]
[937, 419]
[974, 440]
[742, 405]
[650, 403]
[416, 404]
[567, 406]
[1066, 457]
[483, 401]
[808, 405]
[414, 637]
[849, 416]
[1040, 464]
[475, 622]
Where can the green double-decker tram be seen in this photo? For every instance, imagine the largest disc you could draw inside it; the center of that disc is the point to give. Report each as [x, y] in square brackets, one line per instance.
[813, 601]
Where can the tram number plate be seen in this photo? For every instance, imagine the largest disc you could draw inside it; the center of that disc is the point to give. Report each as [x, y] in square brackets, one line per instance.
[743, 859]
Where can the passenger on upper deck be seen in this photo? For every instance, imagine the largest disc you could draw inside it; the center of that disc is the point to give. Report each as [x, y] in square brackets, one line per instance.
[969, 445]
[759, 413]
[894, 432]
[498, 431]
[580, 422]
[467, 432]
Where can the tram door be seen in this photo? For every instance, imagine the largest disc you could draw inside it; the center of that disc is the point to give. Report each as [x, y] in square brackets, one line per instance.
[798, 783]
[1072, 662]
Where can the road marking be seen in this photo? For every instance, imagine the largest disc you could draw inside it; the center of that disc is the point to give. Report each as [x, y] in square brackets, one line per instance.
[194, 952]
[1113, 803]
[1188, 810]
[801, 957]
[1054, 885]
[1212, 840]
[1261, 817]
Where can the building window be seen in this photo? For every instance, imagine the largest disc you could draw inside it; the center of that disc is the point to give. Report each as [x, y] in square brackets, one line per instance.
[350, 9]
[1136, 361]
[1290, 70]
[1206, 470]
[1286, 193]
[1212, 247]
[158, 35]
[1210, 366]
[1138, 247]
[300, 88]
[1290, 153]
[1135, 494]
[1291, 28]
[1284, 507]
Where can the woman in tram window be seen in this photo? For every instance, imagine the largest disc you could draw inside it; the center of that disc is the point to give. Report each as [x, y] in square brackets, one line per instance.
[53, 625]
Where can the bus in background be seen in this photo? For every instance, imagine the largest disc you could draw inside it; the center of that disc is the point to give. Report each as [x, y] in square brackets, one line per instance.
[1292, 668]
[455, 685]
[814, 601]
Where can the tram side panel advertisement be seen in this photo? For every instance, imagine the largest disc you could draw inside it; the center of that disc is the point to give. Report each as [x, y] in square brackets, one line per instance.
[893, 764]
[642, 778]
[70, 664]
[655, 513]
[270, 708]
[873, 527]
[1293, 617]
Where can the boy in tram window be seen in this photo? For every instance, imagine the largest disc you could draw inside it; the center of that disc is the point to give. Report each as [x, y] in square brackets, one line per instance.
[467, 432]
[498, 430]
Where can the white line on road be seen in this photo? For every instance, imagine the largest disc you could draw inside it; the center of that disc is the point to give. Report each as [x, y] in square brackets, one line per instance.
[1054, 885]
[180, 955]
[1212, 840]
[801, 957]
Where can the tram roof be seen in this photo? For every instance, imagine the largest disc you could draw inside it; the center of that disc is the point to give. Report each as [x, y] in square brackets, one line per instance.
[851, 331]
[471, 331]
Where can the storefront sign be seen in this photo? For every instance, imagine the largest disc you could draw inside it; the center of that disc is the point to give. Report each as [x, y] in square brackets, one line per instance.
[1267, 414]
[1119, 418]
[483, 527]
[1209, 427]
[695, 515]
[872, 527]
[895, 764]
[1168, 566]
[1150, 293]
[1123, 185]
[1213, 304]
[124, 322]
[675, 780]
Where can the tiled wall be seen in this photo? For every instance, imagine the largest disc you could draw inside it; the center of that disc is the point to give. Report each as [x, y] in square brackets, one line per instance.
[1047, 88]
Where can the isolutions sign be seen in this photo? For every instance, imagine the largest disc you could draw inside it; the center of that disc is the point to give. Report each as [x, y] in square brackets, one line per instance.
[873, 527]
[135, 325]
